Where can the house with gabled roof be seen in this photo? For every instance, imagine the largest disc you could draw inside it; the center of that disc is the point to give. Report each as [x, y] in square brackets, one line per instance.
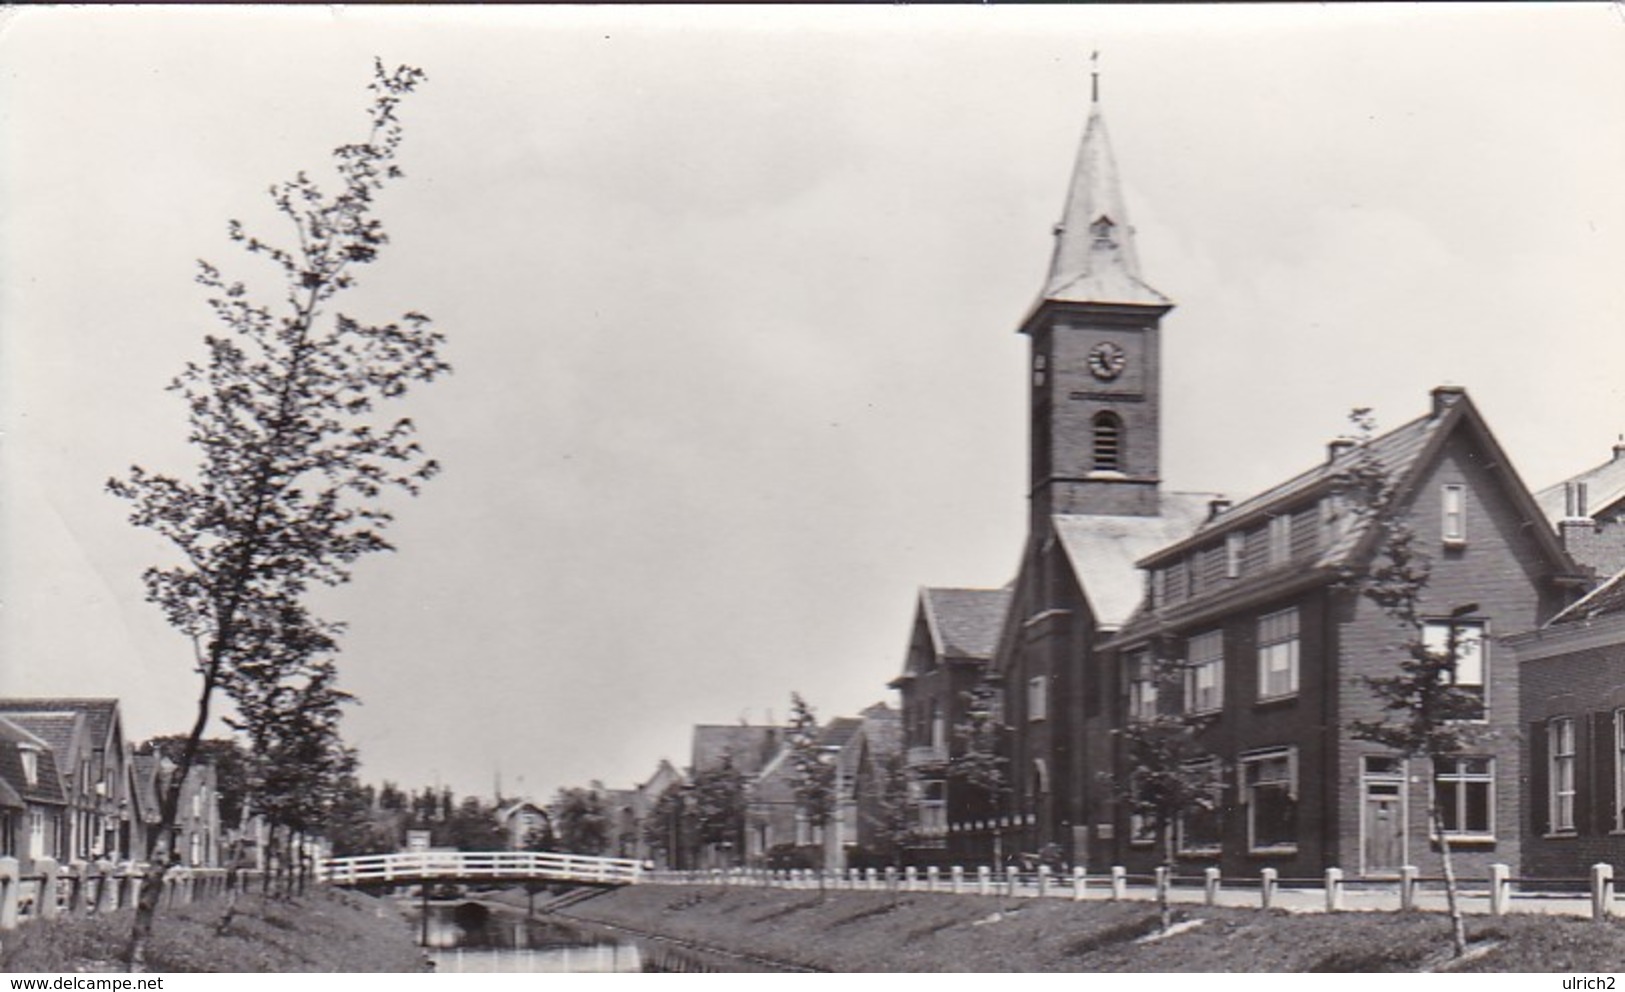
[1275, 645]
[33, 802]
[87, 737]
[951, 642]
[1572, 685]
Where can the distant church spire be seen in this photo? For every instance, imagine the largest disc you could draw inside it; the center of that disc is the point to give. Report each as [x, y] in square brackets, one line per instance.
[1094, 260]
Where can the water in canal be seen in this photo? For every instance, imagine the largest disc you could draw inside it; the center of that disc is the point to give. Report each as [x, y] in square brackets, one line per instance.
[469, 936]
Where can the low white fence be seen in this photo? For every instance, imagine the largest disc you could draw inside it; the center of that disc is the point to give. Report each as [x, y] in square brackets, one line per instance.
[419, 866]
[1498, 894]
[49, 889]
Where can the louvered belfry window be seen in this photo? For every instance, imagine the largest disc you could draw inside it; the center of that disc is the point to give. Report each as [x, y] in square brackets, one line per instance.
[1108, 437]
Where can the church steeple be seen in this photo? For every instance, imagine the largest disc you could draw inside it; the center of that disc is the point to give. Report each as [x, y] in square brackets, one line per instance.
[1095, 260]
[1096, 350]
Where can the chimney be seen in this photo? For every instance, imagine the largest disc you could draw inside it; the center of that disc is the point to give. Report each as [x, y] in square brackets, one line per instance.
[1337, 446]
[1619, 448]
[1444, 397]
[1217, 507]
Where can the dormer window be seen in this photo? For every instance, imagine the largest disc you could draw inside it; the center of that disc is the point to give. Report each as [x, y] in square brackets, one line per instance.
[1100, 232]
[30, 764]
[1108, 442]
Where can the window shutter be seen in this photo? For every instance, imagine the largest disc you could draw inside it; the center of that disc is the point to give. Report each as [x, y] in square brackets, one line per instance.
[1602, 772]
[1540, 796]
[1585, 777]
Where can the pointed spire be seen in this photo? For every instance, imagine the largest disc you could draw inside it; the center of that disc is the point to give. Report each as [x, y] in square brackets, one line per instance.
[1094, 259]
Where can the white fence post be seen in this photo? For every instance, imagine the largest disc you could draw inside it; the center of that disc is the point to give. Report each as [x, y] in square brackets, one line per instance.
[45, 904]
[1407, 887]
[984, 880]
[1043, 881]
[1602, 891]
[1119, 882]
[1010, 880]
[1163, 882]
[1334, 889]
[1500, 889]
[11, 884]
[1079, 878]
[1210, 886]
[910, 876]
[956, 876]
[932, 875]
[1267, 880]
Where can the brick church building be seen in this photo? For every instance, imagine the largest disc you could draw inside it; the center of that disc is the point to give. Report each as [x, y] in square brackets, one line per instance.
[1270, 641]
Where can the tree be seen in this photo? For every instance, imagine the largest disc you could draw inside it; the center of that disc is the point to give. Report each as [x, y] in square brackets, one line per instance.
[812, 769]
[716, 802]
[580, 822]
[1427, 715]
[892, 804]
[979, 761]
[292, 465]
[474, 827]
[1171, 777]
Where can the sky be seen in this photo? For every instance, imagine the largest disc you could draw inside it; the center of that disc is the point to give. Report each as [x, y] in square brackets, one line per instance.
[732, 297]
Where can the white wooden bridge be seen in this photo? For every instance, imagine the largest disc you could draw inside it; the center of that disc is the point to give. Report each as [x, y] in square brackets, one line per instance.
[412, 867]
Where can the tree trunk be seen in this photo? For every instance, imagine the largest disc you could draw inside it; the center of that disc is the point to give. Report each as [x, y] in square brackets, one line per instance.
[1165, 907]
[1458, 926]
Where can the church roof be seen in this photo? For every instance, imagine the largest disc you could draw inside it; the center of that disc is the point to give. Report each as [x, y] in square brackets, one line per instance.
[1095, 260]
[965, 623]
[1103, 550]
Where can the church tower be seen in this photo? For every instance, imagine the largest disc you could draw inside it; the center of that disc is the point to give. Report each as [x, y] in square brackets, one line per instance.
[1096, 355]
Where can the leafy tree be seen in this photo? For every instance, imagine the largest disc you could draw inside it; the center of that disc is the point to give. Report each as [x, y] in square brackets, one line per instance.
[474, 827]
[1171, 776]
[668, 825]
[1427, 715]
[979, 760]
[891, 802]
[293, 466]
[812, 773]
[716, 804]
[580, 822]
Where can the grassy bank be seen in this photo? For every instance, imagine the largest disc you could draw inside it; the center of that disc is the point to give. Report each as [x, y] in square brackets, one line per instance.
[327, 930]
[872, 932]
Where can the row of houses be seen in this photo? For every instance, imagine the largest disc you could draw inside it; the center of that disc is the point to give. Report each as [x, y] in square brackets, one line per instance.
[72, 788]
[1251, 598]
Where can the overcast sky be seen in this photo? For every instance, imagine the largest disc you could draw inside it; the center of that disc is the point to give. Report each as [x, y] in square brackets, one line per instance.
[732, 297]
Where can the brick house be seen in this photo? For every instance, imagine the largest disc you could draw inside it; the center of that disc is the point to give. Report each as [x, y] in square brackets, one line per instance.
[1273, 647]
[1573, 699]
[952, 641]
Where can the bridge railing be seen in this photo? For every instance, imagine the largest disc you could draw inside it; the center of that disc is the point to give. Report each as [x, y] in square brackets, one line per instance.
[415, 866]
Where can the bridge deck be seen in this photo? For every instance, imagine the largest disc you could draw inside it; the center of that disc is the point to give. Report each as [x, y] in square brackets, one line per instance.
[477, 866]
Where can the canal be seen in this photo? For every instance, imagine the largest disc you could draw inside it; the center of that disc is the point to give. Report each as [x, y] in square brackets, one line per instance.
[475, 936]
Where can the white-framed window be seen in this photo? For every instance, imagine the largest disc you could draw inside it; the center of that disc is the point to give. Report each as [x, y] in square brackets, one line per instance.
[1235, 546]
[1142, 687]
[1465, 791]
[1453, 526]
[1037, 698]
[1560, 779]
[1269, 789]
[1472, 661]
[30, 758]
[1619, 770]
[1204, 679]
[1142, 830]
[1200, 831]
[1280, 540]
[1278, 654]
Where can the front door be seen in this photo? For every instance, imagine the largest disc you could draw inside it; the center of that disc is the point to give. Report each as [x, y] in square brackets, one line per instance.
[1384, 829]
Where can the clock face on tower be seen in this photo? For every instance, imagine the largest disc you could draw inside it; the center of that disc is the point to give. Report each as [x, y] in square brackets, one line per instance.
[1107, 360]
